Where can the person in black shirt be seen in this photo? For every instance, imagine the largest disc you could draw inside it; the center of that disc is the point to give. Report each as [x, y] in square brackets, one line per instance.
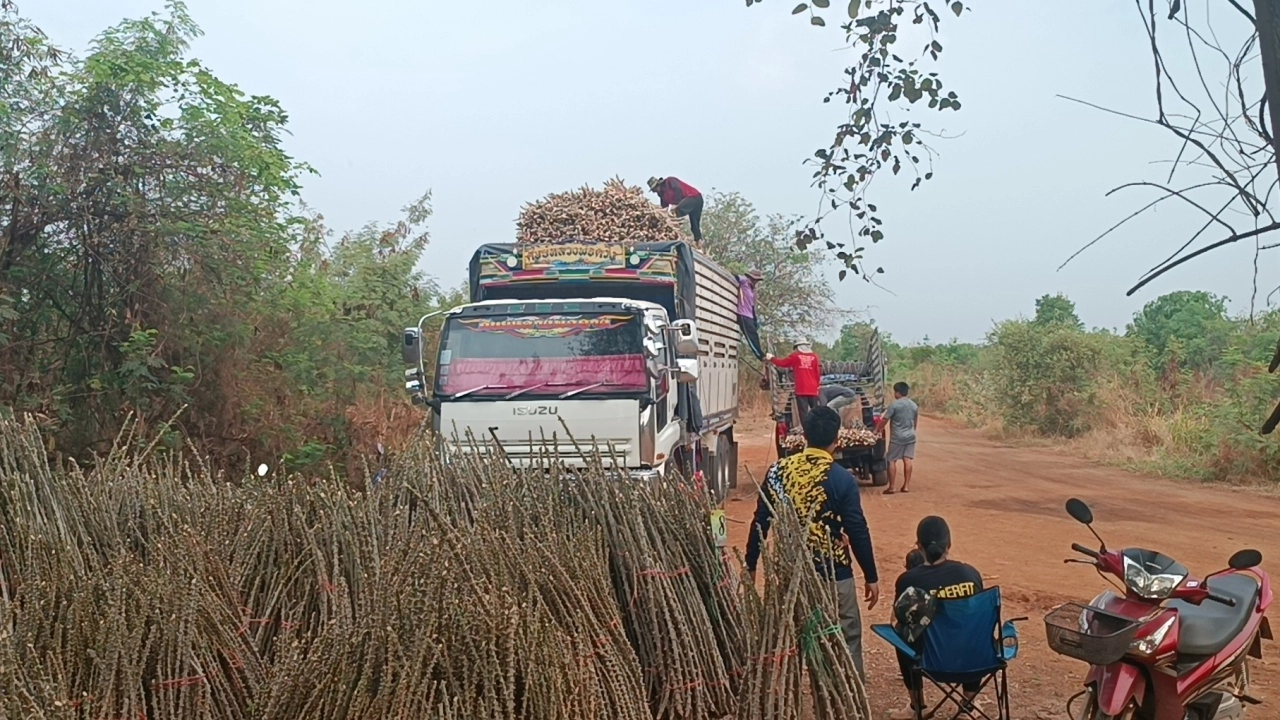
[941, 577]
[812, 483]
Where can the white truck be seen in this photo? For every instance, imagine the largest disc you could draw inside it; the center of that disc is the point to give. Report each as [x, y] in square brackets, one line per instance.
[569, 349]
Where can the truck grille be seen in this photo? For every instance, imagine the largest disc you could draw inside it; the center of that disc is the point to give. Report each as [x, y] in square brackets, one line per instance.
[526, 454]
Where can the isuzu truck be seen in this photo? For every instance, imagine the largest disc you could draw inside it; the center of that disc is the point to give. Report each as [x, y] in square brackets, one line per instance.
[567, 352]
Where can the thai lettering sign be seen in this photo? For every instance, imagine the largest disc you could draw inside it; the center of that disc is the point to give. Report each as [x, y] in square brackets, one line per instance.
[590, 255]
[547, 325]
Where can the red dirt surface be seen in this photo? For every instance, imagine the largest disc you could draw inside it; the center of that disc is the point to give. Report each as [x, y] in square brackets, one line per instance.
[1005, 507]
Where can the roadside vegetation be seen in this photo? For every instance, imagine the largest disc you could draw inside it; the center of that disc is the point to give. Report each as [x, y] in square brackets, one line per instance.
[1178, 392]
[158, 264]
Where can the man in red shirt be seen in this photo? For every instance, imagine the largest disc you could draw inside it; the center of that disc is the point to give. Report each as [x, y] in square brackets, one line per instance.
[807, 369]
[685, 198]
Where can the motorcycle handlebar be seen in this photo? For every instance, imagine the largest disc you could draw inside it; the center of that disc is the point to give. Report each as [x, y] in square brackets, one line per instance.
[1229, 602]
[1085, 551]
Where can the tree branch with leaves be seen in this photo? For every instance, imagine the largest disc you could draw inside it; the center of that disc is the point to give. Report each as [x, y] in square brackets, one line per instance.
[795, 298]
[886, 79]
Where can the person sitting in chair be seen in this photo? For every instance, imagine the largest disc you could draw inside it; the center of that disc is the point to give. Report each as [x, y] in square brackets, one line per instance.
[940, 578]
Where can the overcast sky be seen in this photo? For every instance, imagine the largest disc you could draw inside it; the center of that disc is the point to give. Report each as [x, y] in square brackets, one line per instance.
[491, 104]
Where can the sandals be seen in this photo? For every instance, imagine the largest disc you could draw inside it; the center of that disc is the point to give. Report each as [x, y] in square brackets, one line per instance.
[970, 710]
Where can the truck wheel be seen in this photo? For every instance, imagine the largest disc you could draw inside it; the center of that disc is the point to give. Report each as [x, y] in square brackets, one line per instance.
[713, 474]
[719, 470]
[879, 478]
[733, 463]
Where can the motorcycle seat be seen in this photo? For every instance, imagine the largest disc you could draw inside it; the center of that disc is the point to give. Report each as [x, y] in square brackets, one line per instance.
[1206, 629]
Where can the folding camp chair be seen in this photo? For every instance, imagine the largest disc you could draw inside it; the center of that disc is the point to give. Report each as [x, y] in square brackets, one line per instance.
[964, 643]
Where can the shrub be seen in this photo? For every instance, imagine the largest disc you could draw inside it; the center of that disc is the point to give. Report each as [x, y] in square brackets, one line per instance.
[1045, 377]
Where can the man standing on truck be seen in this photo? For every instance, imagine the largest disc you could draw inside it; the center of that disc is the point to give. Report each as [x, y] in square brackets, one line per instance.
[901, 416]
[747, 311]
[807, 369]
[814, 484]
[685, 198]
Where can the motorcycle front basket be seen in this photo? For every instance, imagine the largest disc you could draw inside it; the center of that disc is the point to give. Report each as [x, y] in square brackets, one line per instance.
[1089, 634]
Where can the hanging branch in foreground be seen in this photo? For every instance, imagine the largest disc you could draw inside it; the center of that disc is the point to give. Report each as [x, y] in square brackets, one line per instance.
[1226, 165]
[873, 137]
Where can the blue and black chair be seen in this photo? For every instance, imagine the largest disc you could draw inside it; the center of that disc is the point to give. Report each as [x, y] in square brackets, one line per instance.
[965, 644]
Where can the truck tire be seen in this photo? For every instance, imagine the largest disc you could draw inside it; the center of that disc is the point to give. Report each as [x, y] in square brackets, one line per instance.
[839, 367]
[733, 462]
[880, 478]
[715, 476]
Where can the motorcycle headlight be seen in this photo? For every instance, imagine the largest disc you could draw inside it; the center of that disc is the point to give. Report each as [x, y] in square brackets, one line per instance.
[1151, 587]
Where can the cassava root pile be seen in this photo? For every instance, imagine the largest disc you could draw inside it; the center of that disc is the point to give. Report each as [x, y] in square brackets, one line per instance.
[856, 436]
[617, 213]
[149, 589]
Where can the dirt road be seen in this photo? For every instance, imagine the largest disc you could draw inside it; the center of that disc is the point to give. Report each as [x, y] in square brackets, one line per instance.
[1005, 507]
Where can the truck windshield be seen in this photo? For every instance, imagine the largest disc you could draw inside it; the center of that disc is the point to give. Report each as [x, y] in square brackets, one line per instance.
[540, 355]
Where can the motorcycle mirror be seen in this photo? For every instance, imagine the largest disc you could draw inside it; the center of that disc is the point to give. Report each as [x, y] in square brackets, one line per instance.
[1079, 511]
[1245, 560]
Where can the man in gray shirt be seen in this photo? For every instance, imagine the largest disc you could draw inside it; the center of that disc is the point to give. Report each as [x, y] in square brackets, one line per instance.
[902, 416]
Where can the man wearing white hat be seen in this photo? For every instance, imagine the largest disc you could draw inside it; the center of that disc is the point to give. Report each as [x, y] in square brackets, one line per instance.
[807, 369]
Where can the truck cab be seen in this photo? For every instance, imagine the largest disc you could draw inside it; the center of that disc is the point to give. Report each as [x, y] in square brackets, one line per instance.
[558, 381]
[573, 347]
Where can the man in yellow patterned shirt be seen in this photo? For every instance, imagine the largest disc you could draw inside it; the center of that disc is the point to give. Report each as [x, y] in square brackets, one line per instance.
[825, 496]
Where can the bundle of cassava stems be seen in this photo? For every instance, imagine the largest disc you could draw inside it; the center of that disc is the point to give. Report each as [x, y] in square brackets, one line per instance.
[149, 588]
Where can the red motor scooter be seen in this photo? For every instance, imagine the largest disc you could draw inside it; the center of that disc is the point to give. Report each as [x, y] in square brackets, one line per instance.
[1171, 647]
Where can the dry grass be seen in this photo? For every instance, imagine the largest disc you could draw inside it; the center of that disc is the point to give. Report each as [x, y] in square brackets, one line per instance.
[1183, 428]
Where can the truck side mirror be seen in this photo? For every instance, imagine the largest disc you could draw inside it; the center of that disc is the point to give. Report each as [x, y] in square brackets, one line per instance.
[412, 347]
[686, 338]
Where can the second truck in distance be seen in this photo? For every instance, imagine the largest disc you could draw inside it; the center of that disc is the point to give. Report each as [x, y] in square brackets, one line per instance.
[869, 379]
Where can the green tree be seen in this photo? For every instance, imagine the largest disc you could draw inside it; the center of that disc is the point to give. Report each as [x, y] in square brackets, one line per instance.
[154, 256]
[141, 192]
[1057, 310]
[882, 84]
[794, 297]
[1189, 328]
[851, 343]
[1044, 377]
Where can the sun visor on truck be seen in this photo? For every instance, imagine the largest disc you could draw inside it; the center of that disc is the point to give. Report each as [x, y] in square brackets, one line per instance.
[658, 272]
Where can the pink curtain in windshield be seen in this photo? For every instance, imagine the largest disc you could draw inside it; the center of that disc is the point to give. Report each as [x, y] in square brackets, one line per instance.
[626, 372]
